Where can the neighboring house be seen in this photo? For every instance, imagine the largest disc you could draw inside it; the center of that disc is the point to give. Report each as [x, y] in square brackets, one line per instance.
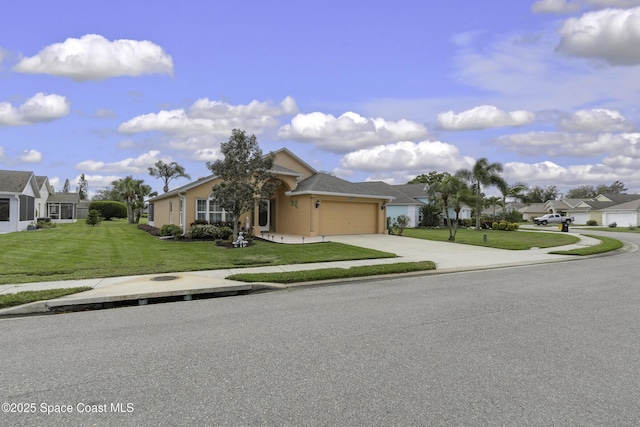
[409, 200]
[604, 209]
[45, 189]
[63, 207]
[623, 214]
[532, 210]
[307, 203]
[404, 202]
[26, 198]
[18, 193]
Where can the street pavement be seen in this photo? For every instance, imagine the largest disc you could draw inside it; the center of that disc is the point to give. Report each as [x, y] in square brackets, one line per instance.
[187, 285]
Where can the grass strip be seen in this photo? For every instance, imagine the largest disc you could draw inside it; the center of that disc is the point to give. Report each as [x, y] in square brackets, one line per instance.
[10, 300]
[607, 244]
[333, 273]
[499, 239]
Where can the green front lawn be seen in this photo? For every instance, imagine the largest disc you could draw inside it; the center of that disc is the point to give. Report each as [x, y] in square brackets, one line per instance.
[500, 239]
[115, 248]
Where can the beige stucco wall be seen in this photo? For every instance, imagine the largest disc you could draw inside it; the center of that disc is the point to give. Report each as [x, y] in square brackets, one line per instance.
[285, 160]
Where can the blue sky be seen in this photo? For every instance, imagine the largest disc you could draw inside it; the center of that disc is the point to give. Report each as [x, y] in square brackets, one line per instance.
[367, 90]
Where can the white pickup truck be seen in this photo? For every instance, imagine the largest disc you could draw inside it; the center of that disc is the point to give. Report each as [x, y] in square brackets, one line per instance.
[552, 219]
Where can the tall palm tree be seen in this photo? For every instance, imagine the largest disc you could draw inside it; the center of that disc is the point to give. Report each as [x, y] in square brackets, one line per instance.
[483, 174]
[167, 172]
[449, 192]
[515, 191]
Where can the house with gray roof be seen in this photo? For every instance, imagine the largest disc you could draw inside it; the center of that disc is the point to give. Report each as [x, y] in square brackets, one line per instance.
[306, 203]
[18, 193]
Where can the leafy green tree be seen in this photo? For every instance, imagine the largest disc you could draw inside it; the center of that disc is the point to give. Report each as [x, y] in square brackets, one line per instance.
[167, 172]
[541, 194]
[83, 187]
[429, 178]
[245, 176]
[108, 193]
[617, 187]
[483, 174]
[449, 193]
[582, 192]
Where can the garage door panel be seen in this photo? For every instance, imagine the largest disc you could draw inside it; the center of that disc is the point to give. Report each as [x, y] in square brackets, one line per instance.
[348, 218]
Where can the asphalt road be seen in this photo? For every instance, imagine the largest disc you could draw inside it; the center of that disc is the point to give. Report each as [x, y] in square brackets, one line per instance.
[556, 344]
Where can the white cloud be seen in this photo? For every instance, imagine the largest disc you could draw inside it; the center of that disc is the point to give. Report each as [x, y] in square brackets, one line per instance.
[204, 108]
[348, 132]
[408, 157]
[610, 35]
[39, 108]
[31, 156]
[567, 177]
[131, 165]
[552, 144]
[483, 117]
[94, 181]
[207, 118]
[2, 155]
[596, 120]
[555, 6]
[93, 57]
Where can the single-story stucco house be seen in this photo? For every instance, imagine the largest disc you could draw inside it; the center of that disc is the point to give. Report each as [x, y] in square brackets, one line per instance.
[25, 198]
[18, 193]
[307, 203]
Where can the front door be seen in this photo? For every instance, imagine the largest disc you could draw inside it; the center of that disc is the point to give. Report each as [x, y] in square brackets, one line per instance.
[264, 216]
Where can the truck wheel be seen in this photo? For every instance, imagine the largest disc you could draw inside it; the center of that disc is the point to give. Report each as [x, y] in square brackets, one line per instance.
[544, 223]
[568, 221]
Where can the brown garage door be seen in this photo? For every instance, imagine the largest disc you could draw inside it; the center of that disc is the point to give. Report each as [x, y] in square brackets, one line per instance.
[348, 218]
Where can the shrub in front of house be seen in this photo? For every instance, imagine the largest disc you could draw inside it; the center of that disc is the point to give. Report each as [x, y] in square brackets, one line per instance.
[109, 209]
[203, 231]
[223, 232]
[592, 222]
[613, 225]
[93, 218]
[170, 230]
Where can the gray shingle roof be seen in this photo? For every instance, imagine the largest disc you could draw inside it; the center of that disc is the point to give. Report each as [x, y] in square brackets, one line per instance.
[622, 198]
[14, 181]
[64, 198]
[382, 188]
[329, 184]
[632, 205]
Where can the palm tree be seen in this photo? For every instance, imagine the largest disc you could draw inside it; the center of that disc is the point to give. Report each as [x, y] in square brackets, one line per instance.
[483, 174]
[449, 192]
[492, 202]
[515, 191]
[132, 192]
[167, 172]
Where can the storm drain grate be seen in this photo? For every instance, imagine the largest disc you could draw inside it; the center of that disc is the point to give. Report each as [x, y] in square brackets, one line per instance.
[164, 278]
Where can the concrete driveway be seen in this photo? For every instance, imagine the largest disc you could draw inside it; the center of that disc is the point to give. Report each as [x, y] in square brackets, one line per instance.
[448, 255]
